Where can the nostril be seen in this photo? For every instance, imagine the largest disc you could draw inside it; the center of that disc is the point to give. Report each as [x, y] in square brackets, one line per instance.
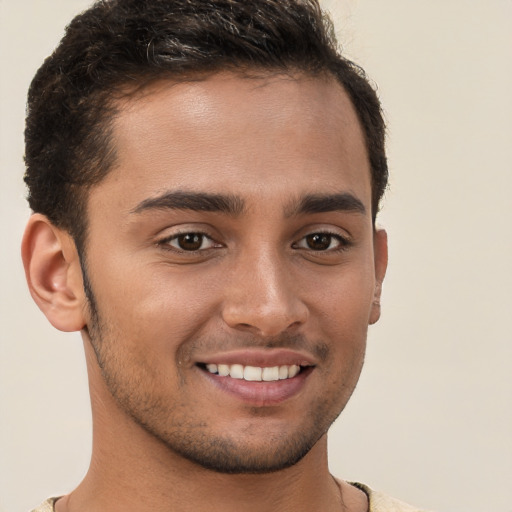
[265, 318]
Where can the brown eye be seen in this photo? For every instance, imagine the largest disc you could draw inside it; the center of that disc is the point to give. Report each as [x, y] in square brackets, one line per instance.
[320, 241]
[191, 242]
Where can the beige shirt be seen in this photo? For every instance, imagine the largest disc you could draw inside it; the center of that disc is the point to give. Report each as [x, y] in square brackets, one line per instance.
[378, 502]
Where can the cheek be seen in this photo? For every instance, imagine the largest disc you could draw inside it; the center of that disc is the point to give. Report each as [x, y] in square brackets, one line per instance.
[341, 317]
[158, 308]
[344, 300]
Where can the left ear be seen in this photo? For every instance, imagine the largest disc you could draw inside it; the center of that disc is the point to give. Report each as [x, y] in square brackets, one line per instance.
[380, 251]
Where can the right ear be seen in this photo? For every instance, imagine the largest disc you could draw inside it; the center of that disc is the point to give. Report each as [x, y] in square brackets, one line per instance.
[53, 272]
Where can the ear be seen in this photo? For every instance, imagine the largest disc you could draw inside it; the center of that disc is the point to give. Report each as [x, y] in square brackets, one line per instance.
[53, 273]
[380, 249]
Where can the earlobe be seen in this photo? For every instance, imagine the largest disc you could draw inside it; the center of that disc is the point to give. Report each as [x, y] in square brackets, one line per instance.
[381, 263]
[53, 273]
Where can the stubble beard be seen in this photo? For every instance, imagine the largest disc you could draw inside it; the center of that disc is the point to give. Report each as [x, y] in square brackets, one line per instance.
[193, 440]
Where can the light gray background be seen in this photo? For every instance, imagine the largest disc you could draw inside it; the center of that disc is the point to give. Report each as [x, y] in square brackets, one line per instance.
[431, 420]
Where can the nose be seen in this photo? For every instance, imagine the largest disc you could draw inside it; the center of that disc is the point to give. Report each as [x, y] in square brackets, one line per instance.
[261, 296]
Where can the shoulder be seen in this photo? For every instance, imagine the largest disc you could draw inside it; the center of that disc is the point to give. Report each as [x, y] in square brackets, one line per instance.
[47, 506]
[380, 502]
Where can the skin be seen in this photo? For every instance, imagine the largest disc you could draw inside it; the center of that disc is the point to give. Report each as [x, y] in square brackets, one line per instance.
[270, 279]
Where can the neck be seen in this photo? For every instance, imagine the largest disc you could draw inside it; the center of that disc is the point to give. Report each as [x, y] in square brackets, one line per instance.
[131, 469]
[124, 477]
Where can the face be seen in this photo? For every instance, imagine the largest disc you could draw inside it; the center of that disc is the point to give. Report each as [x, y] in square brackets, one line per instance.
[233, 266]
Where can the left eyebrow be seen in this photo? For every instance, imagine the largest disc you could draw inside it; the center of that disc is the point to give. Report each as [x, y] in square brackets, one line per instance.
[194, 201]
[323, 203]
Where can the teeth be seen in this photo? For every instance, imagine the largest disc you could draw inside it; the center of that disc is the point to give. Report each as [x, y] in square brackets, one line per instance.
[270, 373]
[254, 373]
[212, 368]
[294, 369]
[283, 372]
[236, 371]
[223, 370]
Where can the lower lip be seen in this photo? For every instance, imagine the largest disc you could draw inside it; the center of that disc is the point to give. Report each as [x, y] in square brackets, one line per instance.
[260, 393]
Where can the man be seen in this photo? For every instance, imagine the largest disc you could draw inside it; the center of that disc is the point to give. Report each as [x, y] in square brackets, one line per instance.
[205, 178]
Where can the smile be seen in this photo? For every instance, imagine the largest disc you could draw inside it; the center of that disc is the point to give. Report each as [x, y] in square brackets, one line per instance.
[254, 373]
[258, 378]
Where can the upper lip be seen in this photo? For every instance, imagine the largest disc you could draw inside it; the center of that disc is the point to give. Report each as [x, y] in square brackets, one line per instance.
[261, 358]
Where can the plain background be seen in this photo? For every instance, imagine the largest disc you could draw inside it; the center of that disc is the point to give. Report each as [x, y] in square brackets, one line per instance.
[431, 419]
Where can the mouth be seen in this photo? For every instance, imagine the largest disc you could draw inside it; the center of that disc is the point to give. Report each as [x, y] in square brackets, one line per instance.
[262, 381]
[254, 373]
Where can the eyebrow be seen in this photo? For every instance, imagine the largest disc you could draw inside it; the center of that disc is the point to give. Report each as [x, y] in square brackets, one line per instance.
[323, 203]
[195, 201]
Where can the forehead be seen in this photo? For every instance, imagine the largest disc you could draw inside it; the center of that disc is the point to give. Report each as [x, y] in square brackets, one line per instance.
[274, 134]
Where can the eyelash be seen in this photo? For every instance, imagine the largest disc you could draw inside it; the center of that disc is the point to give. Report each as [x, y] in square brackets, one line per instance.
[344, 243]
[166, 242]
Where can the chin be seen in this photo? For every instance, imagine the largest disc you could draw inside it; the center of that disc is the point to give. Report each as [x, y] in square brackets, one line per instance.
[226, 456]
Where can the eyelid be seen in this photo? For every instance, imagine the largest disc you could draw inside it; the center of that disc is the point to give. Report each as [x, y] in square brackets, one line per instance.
[342, 240]
[204, 238]
[165, 241]
[324, 229]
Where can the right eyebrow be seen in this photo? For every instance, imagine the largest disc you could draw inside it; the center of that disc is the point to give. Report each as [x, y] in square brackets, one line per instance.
[195, 201]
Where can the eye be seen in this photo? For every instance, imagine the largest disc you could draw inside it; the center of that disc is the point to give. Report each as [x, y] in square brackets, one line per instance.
[189, 242]
[321, 242]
